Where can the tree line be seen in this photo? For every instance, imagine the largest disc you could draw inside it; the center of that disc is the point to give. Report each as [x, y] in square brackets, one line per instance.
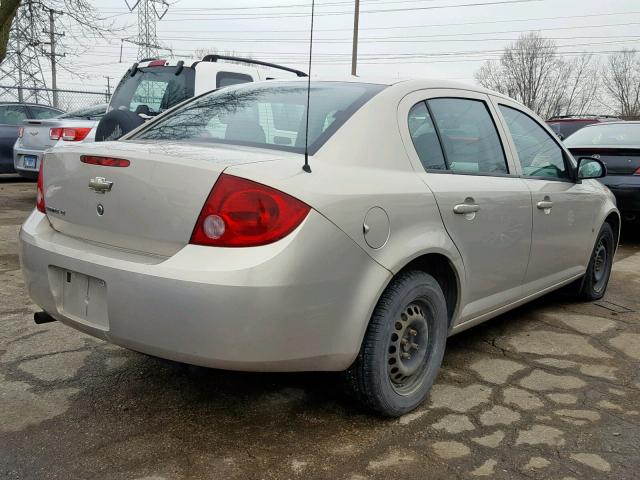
[532, 71]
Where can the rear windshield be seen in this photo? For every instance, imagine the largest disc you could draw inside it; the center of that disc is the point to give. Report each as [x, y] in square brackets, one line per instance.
[607, 134]
[264, 115]
[564, 129]
[95, 112]
[153, 89]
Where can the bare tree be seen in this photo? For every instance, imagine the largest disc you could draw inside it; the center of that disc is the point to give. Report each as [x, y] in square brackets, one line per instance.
[621, 78]
[8, 9]
[531, 71]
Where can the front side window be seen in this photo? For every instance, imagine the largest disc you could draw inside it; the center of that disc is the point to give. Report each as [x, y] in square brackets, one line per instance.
[539, 154]
[468, 135]
[264, 115]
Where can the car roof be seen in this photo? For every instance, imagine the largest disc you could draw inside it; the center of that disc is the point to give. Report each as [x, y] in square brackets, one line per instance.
[616, 122]
[27, 104]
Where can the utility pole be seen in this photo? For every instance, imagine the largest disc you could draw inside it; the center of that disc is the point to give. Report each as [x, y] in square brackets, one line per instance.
[149, 12]
[52, 55]
[354, 52]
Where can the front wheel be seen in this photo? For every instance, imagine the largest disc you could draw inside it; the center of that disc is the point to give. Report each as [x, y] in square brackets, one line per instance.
[403, 347]
[596, 278]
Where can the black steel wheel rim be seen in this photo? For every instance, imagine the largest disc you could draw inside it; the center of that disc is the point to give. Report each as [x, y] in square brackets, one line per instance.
[410, 344]
[601, 264]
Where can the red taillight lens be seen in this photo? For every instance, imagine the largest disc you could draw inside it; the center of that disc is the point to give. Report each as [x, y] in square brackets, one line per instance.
[20, 132]
[637, 172]
[74, 134]
[242, 213]
[55, 133]
[40, 190]
[157, 63]
[104, 161]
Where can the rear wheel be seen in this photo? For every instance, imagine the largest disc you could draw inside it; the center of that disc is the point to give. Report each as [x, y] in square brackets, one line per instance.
[403, 347]
[596, 278]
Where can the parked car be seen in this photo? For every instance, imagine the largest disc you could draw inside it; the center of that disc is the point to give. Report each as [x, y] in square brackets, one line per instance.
[563, 126]
[430, 207]
[37, 136]
[617, 145]
[11, 117]
[152, 86]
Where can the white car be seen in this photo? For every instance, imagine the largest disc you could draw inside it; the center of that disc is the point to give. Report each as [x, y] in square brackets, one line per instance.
[38, 135]
[430, 207]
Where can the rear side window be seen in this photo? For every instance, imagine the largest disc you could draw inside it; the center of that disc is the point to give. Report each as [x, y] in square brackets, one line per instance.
[12, 114]
[425, 138]
[264, 115]
[539, 154]
[226, 79]
[458, 135]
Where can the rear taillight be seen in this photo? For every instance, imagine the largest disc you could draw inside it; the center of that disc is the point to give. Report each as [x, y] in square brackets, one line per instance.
[40, 190]
[20, 132]
[55, 133]
[637, 172]
[157, 63]
[104, 161]
[75, 134]
[242, 213]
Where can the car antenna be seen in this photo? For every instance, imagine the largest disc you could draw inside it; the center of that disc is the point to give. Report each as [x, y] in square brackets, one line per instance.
[306, 166]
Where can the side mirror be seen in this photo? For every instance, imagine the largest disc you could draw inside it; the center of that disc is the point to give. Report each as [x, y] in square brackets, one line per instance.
[589, 167]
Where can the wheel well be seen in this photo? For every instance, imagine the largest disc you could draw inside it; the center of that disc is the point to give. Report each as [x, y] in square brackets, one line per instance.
[614, 220]
[440, 268]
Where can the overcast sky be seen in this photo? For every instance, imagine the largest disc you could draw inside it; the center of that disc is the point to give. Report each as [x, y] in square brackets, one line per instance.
[419, 38]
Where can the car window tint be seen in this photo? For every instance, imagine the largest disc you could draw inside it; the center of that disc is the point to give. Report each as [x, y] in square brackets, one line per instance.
[469, 137]
[539, 154]
[12, 114]
[42, 113]
[225, 79]
[425, 138]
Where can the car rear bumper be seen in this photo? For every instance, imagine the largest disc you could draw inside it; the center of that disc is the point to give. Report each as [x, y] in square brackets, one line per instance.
[302, 303]
[626, 189]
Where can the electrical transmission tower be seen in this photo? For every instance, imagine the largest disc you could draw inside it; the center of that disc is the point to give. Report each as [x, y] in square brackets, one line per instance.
[149, 12]
[21, 76]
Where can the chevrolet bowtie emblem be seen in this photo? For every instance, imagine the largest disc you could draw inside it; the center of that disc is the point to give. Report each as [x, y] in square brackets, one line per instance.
[100, 185]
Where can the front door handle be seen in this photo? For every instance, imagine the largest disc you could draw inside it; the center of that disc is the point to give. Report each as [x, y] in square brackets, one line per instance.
[545, 204]
[466, 208]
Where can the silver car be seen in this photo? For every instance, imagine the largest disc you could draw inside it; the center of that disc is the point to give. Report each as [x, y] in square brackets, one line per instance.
[430, 207]
[38, 135]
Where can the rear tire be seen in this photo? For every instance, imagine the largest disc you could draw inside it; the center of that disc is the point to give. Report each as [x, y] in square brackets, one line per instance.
[403, 346]
[596, 279]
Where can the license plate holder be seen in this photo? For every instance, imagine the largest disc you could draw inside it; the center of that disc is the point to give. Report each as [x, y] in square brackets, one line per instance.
[84, 298]
[30, 161]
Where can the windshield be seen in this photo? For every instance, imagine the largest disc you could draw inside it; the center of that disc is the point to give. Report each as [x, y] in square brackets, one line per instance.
[264, 115]
[153, 89]
[95, 112]
[607, 134]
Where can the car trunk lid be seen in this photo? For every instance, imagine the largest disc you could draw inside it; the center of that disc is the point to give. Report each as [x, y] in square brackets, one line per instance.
[619, 161]
[36, 134]
[152, 204]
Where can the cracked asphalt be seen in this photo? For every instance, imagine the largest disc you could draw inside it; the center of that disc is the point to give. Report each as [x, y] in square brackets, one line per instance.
[548, 391]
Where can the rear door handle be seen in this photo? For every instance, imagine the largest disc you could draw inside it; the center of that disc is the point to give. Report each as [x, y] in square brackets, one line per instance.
[464, 208]
[545, 204]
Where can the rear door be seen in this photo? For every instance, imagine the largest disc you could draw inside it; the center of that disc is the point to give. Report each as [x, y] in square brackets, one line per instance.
[563, 210]
[485, 206]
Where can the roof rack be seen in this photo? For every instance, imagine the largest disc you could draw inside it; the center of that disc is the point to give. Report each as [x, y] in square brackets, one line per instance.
[215, 58]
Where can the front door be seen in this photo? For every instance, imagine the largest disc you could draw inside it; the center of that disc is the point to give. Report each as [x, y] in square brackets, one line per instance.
[563, 210]
[485, 208]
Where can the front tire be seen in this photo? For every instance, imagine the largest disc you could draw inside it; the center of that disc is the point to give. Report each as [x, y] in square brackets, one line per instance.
[403, 346]
[596, 279]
